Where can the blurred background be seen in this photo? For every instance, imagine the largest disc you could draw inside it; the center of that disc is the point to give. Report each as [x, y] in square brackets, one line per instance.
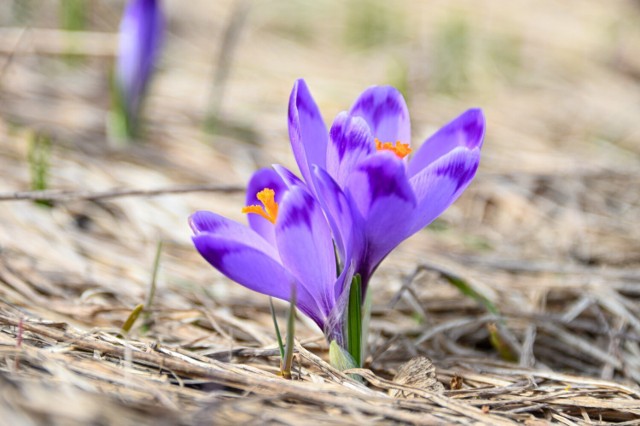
[559, 85]
[555, 203]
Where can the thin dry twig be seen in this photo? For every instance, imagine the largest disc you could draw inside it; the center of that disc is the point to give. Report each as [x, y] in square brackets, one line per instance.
[68, 195]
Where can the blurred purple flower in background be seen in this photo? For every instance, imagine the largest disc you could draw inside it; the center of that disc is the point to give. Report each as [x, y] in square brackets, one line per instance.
[374, 196]
[141, 35]
[288, 243]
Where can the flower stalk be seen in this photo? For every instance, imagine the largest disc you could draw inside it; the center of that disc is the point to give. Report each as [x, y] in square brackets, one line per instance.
[354, 321]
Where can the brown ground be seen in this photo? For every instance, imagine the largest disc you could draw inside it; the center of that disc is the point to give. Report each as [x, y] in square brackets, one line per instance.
[548, 233]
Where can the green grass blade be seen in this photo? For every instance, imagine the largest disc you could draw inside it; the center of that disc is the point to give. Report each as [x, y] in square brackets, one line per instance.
[73, 15]
[133, 316]
[291, 332]
[500, 345]
[152, 288]
[366, 318]
[275, 325]
[494, 336]
[39, 158]
[354, 320]
[466, 289]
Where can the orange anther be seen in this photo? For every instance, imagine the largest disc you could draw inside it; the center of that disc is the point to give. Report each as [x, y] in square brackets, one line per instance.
[399, 148]
[269, 208]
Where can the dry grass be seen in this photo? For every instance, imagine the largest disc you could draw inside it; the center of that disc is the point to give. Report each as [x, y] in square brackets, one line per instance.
[548, 233]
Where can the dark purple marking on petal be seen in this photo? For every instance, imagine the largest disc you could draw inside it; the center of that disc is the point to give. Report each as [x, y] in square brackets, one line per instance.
[350, 133]
[214, 224]
[255, 270]
[350, 142]
[383, 180]
[307, 130]
[288, 177]
[298, 214]
[378, 108]
[305, 103]
[440, 184]
[385, 110]
[459, 171]
[381, 193]
[305, 246]
[466, 130]
[345, 223]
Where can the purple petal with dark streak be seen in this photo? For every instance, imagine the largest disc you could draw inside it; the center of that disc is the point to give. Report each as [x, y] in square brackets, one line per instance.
[288, 177]
[441, 183]
[467, 130]
[209, 222]
[385, 110]
[382, 194]
[345, 226]
[350, 141]
[255, 270]
[305, 245]
[307, 131]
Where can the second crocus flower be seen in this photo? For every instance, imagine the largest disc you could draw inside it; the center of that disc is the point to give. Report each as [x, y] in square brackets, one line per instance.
[374, 195]
[287, 244]
[141, 35]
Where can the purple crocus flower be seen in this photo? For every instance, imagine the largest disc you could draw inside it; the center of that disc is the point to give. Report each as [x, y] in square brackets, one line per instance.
[287, 243]
[141, 34]
[373, 195]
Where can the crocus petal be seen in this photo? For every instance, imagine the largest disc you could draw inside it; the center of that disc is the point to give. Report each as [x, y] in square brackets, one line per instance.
[256, 270]
[264, 178]
[346, 226]
[350, 141]
[381, 192]
[336, 205]
[385, 110]
[288, 177]
[467, 130]
[334, 324]
[305, 245]
[307, 131]
[141, 33]
[212, 223]
[441, 183]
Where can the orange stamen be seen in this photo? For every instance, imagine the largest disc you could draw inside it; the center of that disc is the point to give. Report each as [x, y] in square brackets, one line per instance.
[269, 208]
[400, 149]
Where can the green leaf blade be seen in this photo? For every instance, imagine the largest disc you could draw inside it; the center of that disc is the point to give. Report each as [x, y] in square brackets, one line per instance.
[354, 320]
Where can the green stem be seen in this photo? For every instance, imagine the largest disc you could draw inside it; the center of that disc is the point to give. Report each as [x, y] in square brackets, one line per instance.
[287, 361]
[275, 325]
[366, 318]
[152, 288]
[354, 320]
